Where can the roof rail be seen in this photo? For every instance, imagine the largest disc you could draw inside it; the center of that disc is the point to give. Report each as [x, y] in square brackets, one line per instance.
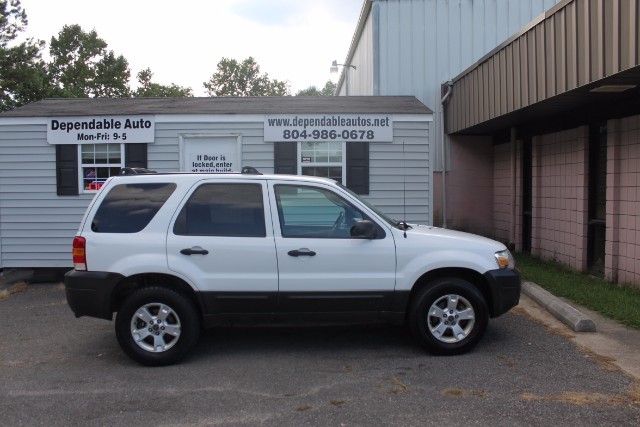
[135, 171]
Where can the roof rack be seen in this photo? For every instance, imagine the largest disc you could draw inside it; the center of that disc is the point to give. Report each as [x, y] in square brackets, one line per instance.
[246, 170]
[250, 170]
[135, 171]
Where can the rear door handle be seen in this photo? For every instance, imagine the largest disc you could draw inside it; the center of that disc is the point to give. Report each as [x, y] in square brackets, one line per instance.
[301, 252]
[196, 250]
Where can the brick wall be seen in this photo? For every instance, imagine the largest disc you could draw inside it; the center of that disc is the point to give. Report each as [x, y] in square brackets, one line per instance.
[502, 198]
[560, 193]
[622, 262]
[507, 193]
[469, 186]
[560, 164]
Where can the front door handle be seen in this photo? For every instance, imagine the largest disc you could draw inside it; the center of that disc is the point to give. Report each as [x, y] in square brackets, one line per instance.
[301, 252]
[196, 250]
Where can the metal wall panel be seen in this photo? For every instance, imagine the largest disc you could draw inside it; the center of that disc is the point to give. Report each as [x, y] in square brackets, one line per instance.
[628, 34]
[575, 43]
[361, 79]
[571, 48]
[596, 38]
[423, 43]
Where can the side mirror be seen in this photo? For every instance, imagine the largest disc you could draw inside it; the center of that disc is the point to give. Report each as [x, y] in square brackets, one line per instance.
[364, 229]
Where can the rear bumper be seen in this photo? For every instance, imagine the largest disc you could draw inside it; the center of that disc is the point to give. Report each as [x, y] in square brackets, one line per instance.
[89, 292]
[505, 290]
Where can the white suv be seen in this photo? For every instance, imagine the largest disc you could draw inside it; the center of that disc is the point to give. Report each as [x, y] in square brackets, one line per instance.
[172, 253]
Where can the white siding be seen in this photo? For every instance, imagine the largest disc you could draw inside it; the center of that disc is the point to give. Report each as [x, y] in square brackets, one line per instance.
[36, 226]
[164, 154]
[390, 169]
[399, 173]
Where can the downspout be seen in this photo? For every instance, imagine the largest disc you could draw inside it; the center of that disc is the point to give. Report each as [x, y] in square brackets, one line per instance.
[443, 154]
[514, 186]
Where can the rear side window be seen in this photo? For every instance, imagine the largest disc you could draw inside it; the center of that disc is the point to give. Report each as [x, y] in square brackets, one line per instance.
[128, 208]
[232, 210]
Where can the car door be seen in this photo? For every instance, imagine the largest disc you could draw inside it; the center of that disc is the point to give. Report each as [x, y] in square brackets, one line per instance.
[322, 268]
[222, 241]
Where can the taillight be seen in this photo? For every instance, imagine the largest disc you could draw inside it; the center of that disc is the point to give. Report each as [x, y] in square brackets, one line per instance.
[79, 254]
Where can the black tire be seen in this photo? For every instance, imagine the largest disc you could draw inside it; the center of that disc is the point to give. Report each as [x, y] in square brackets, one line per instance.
[157, 326]
[455, 330]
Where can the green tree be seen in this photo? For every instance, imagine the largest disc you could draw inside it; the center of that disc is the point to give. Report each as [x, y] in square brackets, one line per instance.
[149, 89]
[82, 67]
[329, 89]
[235, 78]
[22, 70]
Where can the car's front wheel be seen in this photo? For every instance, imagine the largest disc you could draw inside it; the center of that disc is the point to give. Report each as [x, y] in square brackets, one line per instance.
[157, 326]
[448, 316]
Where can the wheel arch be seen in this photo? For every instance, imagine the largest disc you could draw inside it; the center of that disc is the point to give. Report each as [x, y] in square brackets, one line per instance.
[471, 276]
[144, 280]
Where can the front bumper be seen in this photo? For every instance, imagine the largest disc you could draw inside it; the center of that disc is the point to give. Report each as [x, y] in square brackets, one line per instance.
[89, 292]
[505, 290]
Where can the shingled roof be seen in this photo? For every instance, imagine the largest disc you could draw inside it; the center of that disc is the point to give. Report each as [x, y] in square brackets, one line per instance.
[222, 105]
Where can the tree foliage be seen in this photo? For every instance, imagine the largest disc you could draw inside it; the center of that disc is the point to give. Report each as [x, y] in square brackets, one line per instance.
[329, 89]
[22, 71]
[82, 67]
[149, 89]
[235, 78]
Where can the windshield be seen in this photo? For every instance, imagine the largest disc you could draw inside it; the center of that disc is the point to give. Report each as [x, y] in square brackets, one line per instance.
[378, 212]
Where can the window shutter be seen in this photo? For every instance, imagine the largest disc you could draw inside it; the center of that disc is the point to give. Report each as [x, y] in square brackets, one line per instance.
[135, 155]
[358, 166]
[285, 158]
[67, 169]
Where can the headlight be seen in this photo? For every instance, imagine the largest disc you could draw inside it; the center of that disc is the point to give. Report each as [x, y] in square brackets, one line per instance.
[505, 260]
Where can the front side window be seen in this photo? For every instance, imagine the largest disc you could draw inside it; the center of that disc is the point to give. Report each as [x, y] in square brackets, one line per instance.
[226, 210]
[314, 212]
[99, 162]
[322, 158]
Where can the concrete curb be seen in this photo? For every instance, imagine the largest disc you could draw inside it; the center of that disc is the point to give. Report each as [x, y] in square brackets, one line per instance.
[564, 312]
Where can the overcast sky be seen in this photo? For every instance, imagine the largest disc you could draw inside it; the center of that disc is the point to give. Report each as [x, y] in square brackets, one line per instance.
[183, 41]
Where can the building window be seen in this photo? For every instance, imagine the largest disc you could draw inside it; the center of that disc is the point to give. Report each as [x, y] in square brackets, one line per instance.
[354, 173]
[99, 162]
[322, 158]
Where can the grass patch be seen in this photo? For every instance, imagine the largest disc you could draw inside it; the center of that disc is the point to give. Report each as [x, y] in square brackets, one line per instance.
[618, 302]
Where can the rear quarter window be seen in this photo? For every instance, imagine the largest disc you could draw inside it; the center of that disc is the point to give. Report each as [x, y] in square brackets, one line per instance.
[129, 208]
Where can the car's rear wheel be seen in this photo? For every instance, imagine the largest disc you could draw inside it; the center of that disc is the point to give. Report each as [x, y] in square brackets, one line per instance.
[448, 316]
[157, 326]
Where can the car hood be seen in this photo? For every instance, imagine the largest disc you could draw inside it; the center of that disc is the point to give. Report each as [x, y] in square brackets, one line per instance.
[453, 236]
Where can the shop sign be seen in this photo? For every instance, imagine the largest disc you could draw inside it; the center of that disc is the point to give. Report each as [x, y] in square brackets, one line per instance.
[328, 127]
[101, 129]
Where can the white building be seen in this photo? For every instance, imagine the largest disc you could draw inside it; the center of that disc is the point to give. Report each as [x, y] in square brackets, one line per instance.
[54, 154]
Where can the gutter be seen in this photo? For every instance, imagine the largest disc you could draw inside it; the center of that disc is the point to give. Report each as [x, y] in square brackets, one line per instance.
[449, 85]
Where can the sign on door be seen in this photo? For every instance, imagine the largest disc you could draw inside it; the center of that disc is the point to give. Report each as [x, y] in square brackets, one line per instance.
[211, 154]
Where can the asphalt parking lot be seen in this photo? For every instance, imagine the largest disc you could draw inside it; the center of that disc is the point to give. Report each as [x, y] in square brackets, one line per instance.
[58, 370]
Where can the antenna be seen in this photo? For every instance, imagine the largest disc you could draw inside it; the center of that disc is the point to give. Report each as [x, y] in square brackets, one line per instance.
[404, 190]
